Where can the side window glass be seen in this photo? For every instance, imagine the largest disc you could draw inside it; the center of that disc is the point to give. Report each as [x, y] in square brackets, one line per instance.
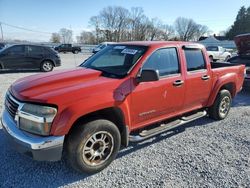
[165, 61]
[17, 50]
[35, 50]
[194, 59]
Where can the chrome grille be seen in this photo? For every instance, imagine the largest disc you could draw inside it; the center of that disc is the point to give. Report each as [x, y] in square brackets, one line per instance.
[11, 106]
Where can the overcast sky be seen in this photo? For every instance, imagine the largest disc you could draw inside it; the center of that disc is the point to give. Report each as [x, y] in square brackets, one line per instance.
[51, 15]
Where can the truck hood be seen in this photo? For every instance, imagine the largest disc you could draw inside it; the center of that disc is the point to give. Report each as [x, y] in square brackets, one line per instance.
[243, 43]
[57, 85]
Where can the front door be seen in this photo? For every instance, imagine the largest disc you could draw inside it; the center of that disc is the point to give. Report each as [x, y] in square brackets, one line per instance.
[153, 101]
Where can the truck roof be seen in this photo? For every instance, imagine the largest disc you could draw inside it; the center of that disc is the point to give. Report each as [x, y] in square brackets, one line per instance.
[160, 43]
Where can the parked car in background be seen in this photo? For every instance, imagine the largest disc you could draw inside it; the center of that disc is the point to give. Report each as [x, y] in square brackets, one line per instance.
[243, 45]
[2, 45]
[68, 48]
[218, 53]
[25, 56]
[101, 46]
[127, 92]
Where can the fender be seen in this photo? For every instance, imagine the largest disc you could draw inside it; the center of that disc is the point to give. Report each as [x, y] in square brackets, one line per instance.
[70, 114]
[230, 78]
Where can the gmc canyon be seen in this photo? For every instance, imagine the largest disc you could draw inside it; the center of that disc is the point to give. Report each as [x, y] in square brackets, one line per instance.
[127, 92]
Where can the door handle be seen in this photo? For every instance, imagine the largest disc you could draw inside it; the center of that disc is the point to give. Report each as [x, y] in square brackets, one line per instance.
[178, 83]
[205, 77]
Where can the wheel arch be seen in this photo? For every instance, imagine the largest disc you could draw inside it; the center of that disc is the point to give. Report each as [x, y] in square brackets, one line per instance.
[230, 86]
[113, 114]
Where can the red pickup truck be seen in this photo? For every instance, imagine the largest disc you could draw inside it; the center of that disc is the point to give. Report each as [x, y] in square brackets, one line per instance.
[127, 92]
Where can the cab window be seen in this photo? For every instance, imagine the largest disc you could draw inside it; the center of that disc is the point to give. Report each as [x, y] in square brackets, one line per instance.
[165, 61]
[195, 60]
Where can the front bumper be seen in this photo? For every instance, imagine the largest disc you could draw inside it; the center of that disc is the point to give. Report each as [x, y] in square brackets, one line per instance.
[37, 147]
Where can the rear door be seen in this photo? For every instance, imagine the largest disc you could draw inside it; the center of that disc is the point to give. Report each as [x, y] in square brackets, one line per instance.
[35, 56]
[198, 79]
[14, 57]
[159, 99]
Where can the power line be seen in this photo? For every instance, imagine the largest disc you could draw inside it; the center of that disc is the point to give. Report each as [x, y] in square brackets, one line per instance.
[26, 29]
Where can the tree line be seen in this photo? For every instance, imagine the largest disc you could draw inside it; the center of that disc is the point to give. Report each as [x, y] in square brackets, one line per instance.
[116, 24]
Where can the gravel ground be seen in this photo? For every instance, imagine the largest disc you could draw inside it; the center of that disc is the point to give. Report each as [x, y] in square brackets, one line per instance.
[206, 153]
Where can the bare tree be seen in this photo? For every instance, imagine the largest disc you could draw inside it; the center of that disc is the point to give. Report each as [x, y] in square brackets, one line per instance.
[66, 35]
[167, 32]
[86, 38]
[55, 38]
[188, 30]
[200, 31]
[119, 24]
[154, 31]
[95, 21]
[114, 22]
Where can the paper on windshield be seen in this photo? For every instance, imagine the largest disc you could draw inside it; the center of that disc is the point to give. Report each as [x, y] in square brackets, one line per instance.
[129, 51]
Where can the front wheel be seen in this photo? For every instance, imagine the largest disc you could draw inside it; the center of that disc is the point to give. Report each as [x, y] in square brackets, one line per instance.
[93, 146]
[220, 109]
[76, 51]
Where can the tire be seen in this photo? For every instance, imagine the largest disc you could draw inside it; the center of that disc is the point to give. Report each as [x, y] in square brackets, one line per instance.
[93, 146]
[46, 66]
[75, 51]
[227, 58]
[211, 59]
[221, 107]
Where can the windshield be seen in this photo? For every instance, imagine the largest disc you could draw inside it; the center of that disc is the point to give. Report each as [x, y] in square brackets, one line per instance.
[115, 60]
[212, 48]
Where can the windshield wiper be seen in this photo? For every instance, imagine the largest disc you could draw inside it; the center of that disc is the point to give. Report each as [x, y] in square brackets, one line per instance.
[104, 72]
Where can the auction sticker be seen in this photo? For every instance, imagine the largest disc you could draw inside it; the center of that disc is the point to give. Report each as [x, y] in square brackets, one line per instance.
[129, 51]
[119, 47]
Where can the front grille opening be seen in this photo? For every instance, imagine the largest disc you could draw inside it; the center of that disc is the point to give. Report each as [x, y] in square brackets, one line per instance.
[11, 106]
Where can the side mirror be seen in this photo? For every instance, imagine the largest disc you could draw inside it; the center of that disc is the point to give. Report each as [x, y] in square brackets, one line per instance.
[148, 75]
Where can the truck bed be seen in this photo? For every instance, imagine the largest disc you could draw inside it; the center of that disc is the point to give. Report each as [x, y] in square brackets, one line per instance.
[224, 64]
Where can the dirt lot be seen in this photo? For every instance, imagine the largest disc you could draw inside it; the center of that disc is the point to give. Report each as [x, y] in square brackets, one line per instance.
[204, 154]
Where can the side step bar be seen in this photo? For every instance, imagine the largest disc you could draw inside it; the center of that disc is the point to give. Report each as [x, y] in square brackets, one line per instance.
[165, 127]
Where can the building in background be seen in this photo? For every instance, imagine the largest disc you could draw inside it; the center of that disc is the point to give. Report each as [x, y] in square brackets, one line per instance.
[217, 41]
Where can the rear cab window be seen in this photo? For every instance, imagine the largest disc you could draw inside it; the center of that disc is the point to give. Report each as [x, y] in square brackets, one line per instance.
[195, 60]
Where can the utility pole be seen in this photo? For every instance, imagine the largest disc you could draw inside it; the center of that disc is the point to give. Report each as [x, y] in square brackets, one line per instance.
[1, 30]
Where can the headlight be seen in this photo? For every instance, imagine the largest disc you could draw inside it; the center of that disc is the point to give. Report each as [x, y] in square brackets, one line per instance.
[36, 118]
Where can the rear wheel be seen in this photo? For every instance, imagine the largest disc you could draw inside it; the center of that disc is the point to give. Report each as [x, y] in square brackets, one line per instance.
[221, 106]
[93, 146]
[46, 66]
[227, 58]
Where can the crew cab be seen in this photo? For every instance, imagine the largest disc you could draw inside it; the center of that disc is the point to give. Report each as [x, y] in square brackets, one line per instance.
[218, 53]
[68, 48]
[127, 92]
[243, 46]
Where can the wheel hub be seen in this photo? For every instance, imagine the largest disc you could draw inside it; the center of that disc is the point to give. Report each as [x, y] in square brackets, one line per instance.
[98, 148]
